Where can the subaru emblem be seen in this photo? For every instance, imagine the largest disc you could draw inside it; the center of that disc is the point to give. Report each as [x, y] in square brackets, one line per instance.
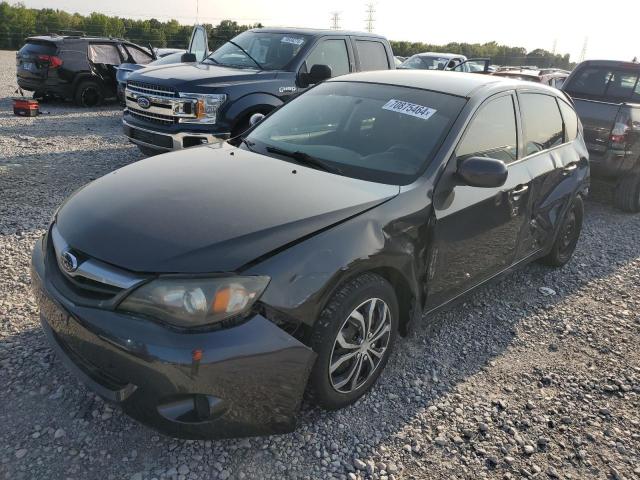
[68, 261]
[144, 102]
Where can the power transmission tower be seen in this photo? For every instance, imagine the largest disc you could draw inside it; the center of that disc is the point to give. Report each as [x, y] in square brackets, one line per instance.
[335, 20]
[555, 45]
[583, 54]
[370, 19]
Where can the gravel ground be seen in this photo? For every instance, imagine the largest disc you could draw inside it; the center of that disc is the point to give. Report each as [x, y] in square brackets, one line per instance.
[537, 376]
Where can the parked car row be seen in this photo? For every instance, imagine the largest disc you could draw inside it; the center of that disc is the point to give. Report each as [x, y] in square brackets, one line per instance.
[333, 201]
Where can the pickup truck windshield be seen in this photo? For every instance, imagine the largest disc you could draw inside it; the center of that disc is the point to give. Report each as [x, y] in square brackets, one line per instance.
[270, 51]
[605, 83]
[380, 133]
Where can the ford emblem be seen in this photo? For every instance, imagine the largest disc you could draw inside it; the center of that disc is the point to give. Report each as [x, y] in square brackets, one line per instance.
[68, 261]
[144, 102]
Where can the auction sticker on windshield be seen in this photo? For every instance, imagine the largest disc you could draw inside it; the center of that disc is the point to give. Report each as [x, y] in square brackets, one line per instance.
[407, 108]
[293, 40]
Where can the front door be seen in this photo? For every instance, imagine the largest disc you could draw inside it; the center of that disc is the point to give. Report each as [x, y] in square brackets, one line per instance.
[477, 230]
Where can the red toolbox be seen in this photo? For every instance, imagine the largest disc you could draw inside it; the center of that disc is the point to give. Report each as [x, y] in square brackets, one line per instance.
[25, 107]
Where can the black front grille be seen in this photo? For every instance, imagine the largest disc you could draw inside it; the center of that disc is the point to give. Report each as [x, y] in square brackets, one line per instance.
[150, 89]
[151, 138]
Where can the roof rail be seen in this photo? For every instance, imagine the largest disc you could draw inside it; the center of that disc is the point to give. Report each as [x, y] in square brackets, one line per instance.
[73, 33]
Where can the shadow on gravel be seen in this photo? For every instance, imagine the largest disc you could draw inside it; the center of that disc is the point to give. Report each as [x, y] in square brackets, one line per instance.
[457, 343]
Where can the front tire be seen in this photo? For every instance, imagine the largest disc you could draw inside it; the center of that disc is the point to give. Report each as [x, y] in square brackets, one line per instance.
[568, 235]
[353, 339]
[627, 194]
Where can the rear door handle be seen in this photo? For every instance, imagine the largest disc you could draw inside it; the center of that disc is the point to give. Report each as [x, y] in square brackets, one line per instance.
[569, 168]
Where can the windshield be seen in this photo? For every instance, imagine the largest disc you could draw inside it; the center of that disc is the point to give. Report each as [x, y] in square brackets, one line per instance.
[423, 62]
[381, 133]
[271, 51]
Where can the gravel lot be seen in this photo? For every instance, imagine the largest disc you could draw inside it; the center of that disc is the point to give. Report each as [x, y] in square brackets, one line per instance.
[517, 382]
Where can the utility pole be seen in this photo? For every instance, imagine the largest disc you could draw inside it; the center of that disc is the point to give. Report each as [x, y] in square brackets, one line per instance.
[370, 19]
[335, 20]
[197, 11]
[555, 45]
[583, 54]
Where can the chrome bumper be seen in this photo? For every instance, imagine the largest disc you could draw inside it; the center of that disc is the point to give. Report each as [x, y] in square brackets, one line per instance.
[176, 138]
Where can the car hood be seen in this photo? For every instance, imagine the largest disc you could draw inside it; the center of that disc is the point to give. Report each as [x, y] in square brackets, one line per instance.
[208, 209]
[182, 76]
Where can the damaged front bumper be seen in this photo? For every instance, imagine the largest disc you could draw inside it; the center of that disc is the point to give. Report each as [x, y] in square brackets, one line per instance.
[240, 381]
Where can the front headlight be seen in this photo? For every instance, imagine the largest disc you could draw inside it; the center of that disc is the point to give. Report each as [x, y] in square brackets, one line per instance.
[206, 106]
[193, 302]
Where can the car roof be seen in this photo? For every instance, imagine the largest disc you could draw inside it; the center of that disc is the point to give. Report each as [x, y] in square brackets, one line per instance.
[60, 38]
[453, 83]
[316, 32]
[443, 55]
[609, 63]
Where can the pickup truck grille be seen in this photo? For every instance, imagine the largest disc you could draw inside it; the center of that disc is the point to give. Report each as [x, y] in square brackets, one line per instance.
[152, 117]
[149, 89]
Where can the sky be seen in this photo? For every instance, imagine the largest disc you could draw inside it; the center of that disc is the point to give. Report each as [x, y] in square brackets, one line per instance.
[532, 24]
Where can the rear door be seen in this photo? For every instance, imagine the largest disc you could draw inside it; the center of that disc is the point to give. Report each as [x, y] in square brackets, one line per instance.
[477, 230]
[370, 54]
[553, 162]
[32, 60]
[199, 43]
[104, 58]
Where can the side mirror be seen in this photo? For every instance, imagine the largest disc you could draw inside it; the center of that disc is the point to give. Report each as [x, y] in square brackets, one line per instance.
[255, 119]
[319, 73]
[188, 57]
[482, 172]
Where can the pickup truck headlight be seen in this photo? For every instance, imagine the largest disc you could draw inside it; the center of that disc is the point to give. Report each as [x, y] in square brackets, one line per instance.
[194, 302]
[206, 106]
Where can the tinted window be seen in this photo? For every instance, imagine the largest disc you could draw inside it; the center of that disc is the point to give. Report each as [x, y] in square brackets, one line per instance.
[570, 121]
[372, 55]
[138, 55]
[381, 133]
[492, 132]
[603, 82]
[38, 48]
[423, 62]
[104, 53]
[332, 53]
[541, 122]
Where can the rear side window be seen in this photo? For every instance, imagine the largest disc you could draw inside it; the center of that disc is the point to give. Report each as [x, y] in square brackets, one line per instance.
[605, 83]
[541, 122]
[372, 55]
[332, 53]
[38, 48]
[492, 132]
[570, 121]
[106, 53]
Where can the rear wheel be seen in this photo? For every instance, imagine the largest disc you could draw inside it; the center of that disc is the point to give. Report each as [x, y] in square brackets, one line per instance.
[568, 235]
[626, 196]
[89, 93]
[353, 339]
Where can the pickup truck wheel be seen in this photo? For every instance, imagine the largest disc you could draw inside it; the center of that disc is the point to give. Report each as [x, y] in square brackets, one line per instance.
[568, 235]
[89, 93]
[627, 194]
[353, 338]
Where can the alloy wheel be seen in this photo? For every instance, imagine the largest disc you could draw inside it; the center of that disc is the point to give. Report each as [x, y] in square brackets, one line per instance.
[360, 345]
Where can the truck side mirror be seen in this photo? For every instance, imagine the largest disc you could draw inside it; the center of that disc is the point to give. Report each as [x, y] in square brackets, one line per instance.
[188, 57]
[319, 73]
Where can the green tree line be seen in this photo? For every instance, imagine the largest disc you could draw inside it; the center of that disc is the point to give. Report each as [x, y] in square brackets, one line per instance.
[18, 22]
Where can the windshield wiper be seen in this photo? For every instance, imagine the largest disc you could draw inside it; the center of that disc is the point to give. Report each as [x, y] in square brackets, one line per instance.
[209, 57]
[248, 143]
[305, 159]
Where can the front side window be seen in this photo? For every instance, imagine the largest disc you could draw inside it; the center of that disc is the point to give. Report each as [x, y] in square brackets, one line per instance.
[492, 132]
[106, 53]
[332, 53]
[138, 56]
[424, 62]
[269, 51]
[541, 122]
[372, 55]
[380, 133]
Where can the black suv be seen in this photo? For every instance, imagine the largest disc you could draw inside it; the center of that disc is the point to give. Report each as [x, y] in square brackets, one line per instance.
[74, 66]
[176, 106]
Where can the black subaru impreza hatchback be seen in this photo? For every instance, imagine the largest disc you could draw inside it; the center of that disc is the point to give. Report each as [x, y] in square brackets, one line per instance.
[206, 290]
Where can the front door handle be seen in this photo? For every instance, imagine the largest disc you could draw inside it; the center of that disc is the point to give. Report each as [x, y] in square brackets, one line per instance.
[569, 168]
[519, 190]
